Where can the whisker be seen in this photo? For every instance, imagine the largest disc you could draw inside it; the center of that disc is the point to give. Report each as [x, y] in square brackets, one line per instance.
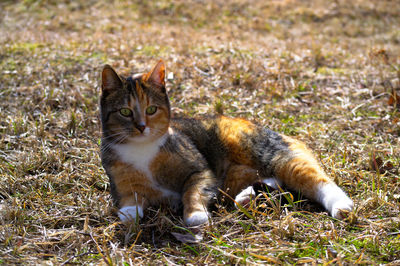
[120, 138]
[122, 131]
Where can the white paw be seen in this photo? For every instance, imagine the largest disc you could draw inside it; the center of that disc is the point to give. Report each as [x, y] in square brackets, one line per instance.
[129, 213]
[340, 208]
[197, 218]
[245, 196]
[334, 200]
[273, 182]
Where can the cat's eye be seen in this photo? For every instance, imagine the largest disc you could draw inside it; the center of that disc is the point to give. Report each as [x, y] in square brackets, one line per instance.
[125, 111]
[151, 110]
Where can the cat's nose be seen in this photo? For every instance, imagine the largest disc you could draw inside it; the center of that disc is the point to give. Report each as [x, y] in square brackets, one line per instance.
[141, 127]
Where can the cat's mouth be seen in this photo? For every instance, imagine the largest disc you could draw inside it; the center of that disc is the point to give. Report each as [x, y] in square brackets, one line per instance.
[146, 135]
[141, 134]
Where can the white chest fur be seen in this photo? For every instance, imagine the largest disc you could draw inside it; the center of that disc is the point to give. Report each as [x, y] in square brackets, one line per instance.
[139, 154]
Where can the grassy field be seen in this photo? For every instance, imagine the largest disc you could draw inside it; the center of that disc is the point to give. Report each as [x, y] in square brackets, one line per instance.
[326, 72]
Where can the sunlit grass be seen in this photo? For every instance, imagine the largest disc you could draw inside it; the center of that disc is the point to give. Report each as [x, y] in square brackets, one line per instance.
[322, 72]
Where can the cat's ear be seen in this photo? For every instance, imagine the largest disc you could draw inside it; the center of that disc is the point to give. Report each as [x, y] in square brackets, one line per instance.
[110, 79]
[156, 75]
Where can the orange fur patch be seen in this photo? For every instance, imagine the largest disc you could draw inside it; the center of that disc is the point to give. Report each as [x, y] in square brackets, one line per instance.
[232, 132]
[156, 74]
[133, 186]
[302, 172]
[239, 177]
[139, 91]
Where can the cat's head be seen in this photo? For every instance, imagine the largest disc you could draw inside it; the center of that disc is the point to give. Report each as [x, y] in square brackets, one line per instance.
[135, 108]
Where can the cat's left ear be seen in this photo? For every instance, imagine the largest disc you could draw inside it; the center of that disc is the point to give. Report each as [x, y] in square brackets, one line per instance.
[156, 75]
[110, 79]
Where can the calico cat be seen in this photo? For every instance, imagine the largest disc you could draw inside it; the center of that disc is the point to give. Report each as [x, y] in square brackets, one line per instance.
[152, 158]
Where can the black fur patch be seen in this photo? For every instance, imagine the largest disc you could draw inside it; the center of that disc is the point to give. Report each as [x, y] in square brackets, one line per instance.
[266, 144]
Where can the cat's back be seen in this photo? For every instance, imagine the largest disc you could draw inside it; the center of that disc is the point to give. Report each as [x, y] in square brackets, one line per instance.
[220, 138]
[203, 133]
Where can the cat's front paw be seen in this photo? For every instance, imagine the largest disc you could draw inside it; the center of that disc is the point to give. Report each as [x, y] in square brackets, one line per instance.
[130, 213]
[341, 208]
[197, 218]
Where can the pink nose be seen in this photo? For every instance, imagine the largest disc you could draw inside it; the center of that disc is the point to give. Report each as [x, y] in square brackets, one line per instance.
[141, 127]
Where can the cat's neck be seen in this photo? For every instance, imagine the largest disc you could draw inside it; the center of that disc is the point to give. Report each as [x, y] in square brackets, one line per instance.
[140, 154]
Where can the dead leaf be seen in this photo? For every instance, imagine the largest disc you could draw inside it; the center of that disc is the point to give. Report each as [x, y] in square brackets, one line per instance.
[86, 224]
[376, 163]
[188, 237]
[380, 54]
[394, 99]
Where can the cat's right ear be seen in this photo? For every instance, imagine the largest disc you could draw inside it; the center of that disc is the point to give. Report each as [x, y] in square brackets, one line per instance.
[110, 79]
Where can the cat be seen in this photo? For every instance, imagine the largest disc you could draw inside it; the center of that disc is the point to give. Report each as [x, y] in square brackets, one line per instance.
[152, 158]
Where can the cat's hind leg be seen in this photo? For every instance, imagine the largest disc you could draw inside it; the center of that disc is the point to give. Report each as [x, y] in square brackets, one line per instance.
[273, 182]
[238, 183]
[245, 196]
[300, 171]
[249, 193]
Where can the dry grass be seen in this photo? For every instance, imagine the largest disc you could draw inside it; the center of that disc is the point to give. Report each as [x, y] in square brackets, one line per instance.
[326, 72]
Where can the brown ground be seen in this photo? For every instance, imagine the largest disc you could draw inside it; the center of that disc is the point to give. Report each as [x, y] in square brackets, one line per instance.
[326, 72]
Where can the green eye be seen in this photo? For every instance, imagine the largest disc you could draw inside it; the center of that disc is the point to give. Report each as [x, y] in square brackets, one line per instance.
[151, 110]
[125, 112]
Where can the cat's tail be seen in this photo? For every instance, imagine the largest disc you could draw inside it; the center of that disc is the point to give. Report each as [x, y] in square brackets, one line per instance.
[299, 170]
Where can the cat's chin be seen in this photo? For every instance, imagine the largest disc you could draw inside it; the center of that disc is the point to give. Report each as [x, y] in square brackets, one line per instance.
[147, 137]
[141, 139]
[144, 139]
